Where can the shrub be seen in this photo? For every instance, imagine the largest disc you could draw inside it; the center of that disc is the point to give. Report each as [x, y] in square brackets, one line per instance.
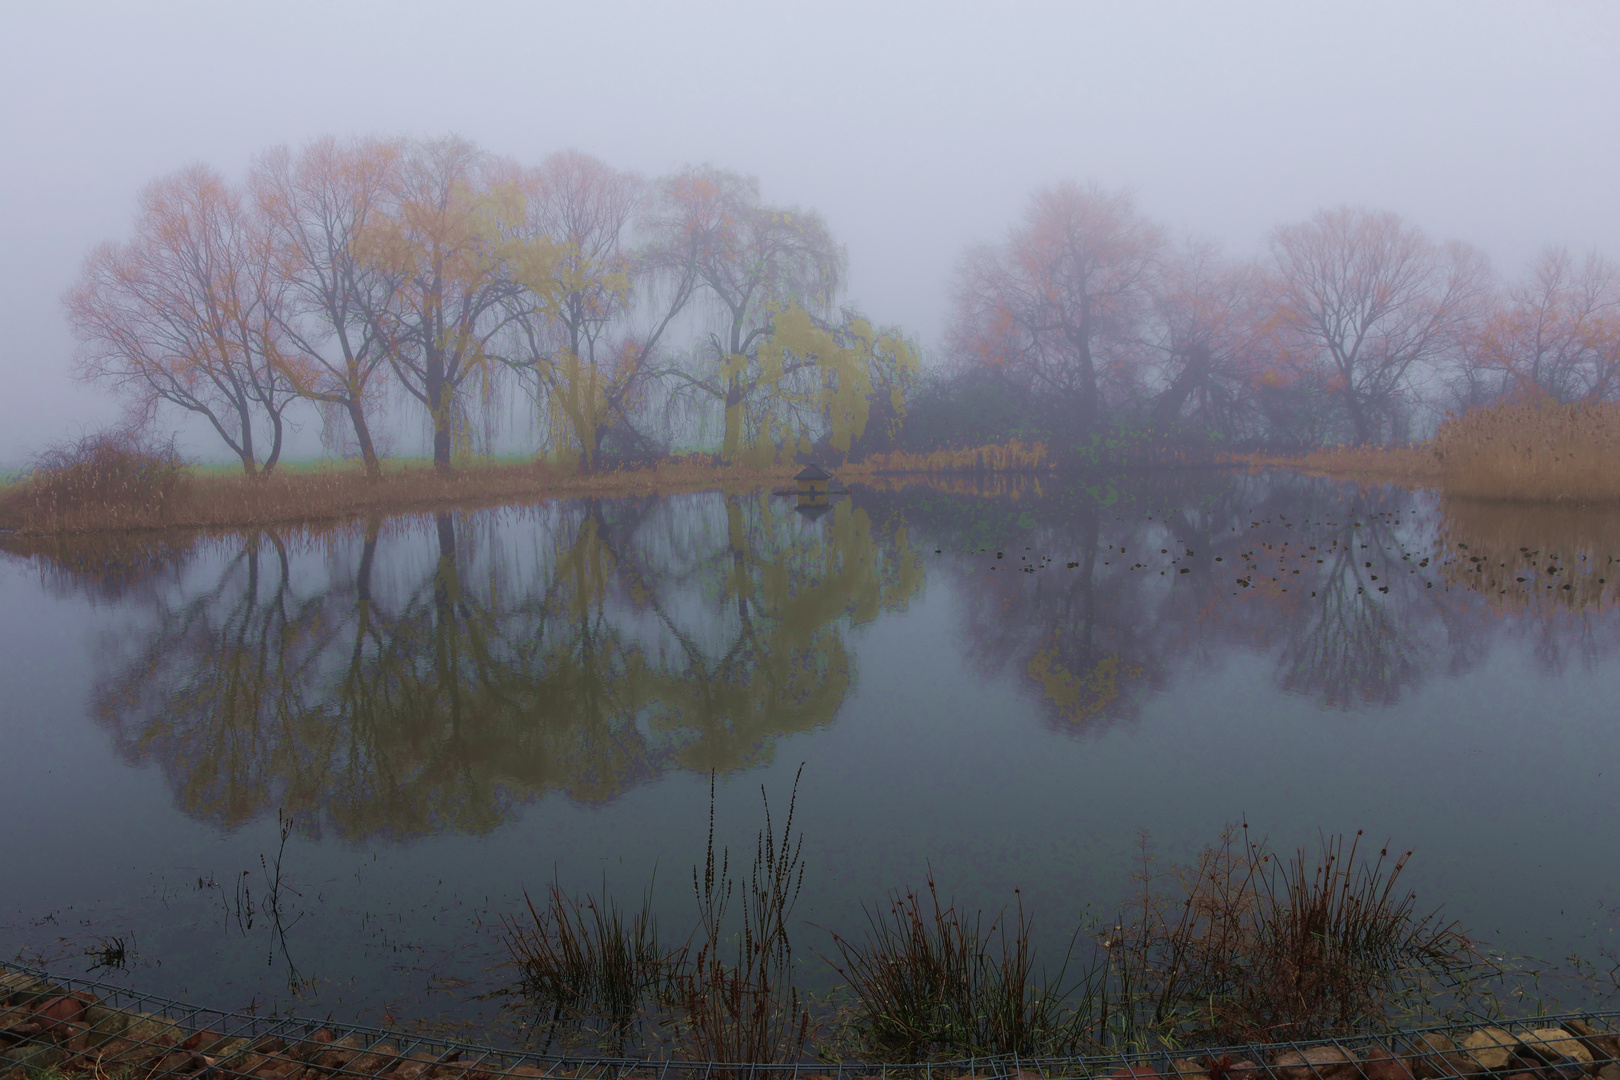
[119, 476]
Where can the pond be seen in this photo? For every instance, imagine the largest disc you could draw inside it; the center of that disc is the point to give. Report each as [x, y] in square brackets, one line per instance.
[1001, 685]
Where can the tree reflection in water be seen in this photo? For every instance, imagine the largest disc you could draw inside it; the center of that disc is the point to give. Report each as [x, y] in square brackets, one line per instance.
[585, 648]
[427, 675]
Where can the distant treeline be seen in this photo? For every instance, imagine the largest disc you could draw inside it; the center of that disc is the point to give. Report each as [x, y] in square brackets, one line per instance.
[633, 316]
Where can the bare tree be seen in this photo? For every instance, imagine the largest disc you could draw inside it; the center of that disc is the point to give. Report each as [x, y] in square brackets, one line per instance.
[1062, 299]
[184, 314]
[1370, 299]
[1554, 333]
[317, 205]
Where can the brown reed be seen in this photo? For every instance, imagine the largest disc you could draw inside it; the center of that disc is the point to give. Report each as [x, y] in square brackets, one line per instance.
[1533, 450]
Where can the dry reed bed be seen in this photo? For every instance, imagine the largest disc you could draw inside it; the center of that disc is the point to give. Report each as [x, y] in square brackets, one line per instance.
[1013, 456]
[1534, 450]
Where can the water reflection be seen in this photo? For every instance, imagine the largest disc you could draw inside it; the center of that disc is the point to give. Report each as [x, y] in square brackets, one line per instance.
[405, 688]
[416, 676]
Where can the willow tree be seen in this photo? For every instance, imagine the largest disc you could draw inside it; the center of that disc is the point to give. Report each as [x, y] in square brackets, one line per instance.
[589, 334]
[753, 262]
[449, 238]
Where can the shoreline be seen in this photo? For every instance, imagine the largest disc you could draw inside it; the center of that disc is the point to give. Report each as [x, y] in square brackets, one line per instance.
[51, 1026]
[326, 495]
[331, 495]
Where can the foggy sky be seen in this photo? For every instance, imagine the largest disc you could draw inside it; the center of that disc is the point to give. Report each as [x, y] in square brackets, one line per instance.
[914, 128]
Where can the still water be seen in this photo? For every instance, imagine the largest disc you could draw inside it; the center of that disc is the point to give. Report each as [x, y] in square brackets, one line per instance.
[1007, 687]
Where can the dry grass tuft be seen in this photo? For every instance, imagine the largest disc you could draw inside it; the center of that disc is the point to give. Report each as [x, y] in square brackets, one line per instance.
[937, 982]
[1248, 947]
[1533, 450]
[594, 965]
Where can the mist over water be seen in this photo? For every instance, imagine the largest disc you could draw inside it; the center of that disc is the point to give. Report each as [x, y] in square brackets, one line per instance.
[1005, 689]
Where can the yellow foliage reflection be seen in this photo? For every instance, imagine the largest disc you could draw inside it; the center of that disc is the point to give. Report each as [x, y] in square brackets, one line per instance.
[581, 648]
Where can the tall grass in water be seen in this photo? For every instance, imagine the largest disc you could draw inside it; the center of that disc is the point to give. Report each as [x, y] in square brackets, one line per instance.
[1250, 947]
[932, 981]
[737, 998]
[593, 965]
[1537, 450]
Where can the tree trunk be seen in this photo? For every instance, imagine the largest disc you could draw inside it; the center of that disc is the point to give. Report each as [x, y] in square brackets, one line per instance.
[275, 445]
[362, 435]
[732, 446]
[438, 392]
[1358, 416]
[246, 452]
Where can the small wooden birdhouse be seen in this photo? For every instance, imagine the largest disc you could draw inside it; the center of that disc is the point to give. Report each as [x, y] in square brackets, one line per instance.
[812, 478]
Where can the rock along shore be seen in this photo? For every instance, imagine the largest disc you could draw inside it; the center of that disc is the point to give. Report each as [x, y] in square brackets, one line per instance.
[52, 1029]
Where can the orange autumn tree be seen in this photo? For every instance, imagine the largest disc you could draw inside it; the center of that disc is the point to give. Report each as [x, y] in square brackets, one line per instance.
[1062, 300]
[316, 206]
[1223, 368]
[185, 314]
[1554, 334]
[589, 335]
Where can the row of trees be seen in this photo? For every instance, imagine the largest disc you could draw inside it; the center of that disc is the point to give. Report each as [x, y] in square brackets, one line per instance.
[356, 269]
[636, 314]
[1351, 327]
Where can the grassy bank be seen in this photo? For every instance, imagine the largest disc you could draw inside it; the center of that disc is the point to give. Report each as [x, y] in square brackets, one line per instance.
[116, 484]
[211, 498]
[1409, 466]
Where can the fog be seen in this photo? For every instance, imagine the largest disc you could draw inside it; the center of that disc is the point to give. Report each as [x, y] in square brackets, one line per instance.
[914, 128]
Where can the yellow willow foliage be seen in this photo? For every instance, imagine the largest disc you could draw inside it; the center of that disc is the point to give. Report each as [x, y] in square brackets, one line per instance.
[577, 405]
[807, 374]
[450, 247]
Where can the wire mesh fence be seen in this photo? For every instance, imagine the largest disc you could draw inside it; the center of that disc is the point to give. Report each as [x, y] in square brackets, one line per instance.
[75, 1027]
